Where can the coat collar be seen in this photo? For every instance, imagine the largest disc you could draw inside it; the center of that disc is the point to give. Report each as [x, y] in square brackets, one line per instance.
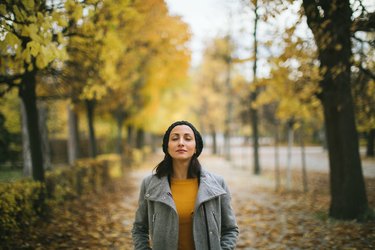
[159, 190]
[209, 188]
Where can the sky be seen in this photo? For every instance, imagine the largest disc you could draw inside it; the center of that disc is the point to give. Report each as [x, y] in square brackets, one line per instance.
[206, 18]
[211, 18]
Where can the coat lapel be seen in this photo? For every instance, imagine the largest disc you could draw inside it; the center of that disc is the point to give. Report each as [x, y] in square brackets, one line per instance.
[208, 189]
[159, 190]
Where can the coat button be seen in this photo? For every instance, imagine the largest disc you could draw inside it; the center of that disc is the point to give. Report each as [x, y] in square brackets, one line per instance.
[210, 232]
[147, 195]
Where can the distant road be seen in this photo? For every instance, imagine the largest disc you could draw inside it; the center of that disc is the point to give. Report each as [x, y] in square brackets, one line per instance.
[316, 158]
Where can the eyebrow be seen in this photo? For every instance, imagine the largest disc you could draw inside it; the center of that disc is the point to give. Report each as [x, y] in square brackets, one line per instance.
[184, 134]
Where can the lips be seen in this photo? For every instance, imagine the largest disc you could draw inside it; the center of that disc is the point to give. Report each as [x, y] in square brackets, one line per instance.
[181, 151]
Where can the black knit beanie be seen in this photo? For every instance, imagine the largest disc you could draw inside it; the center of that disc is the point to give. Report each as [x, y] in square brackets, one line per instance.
[197, 135]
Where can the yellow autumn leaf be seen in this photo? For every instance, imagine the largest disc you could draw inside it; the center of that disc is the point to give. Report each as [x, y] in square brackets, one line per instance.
[18, 13]
[3, 10]
[77, 14]
[30, 67]
[29, 4]
[26, 56]
[32, 19]
[33, 47]
[10, 39]
[59, 18]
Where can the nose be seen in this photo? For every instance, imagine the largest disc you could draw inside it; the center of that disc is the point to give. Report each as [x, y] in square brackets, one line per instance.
[181, 141]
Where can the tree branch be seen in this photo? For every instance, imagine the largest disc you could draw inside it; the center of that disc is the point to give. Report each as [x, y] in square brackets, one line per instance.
[9, 80]
[9, 83]
[364, 23]
[366, 71]
[3, 92]
[312, 14]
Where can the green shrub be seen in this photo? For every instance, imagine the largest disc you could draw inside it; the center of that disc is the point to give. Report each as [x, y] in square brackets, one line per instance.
[19, 206]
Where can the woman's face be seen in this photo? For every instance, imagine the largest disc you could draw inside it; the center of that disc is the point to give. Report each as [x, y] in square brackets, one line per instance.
[181, 143]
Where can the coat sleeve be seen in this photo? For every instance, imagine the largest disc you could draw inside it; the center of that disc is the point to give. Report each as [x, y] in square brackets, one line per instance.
[229, 228]
[140, 231]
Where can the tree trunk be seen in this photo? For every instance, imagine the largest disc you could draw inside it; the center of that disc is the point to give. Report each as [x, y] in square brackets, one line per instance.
[255, 137]
[120, 117]
[131, 137]
[229, 104]
[370, 151]
[119, 146]
[26, 154]
[154, 143]
[303, 159]
[227, 137]
[90, 105]
[253, 96]
[46, 149]
[289, 155]
[277, 158]
[73, 135]
[214, 140]
[348, 193]
[140, 138]
[28, 97]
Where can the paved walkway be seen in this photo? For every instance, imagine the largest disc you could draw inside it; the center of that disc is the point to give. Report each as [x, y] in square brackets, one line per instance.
[316, 158]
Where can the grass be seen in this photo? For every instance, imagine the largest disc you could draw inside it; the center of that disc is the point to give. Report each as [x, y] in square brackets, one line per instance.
[9, 174]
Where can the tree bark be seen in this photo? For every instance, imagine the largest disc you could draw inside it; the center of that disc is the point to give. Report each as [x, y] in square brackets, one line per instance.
[370, 151]
[214, 140]
[46, 149]
[26, 154]
[73, 135]
[303, 159]
[330, 23]
[229, 104]
[90, 106]
[140, 138]
[120, 117]
[131, 137]
[289, 154]
[253, 96]
[119, 146]
[28, 97]
[255, 137]
[277, 158]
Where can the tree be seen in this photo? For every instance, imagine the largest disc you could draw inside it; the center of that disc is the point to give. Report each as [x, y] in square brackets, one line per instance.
[31, 37]
[363, 88]
[92, 70]
[5, 137]
[161, 87]
[254, 94]
[210, 88]
[10, 135]
[122, 63]
[331, 24]
[290, 90]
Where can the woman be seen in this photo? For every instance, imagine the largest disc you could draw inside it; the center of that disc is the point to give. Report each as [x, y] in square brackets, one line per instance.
[182, 206]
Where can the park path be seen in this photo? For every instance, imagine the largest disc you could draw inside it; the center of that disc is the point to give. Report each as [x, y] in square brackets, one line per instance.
[316, 158]
[269, 219]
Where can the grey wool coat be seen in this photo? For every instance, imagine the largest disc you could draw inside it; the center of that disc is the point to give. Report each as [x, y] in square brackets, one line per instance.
[156, 219]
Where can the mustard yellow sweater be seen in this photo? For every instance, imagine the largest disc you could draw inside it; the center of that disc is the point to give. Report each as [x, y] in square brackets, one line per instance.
[184, 194]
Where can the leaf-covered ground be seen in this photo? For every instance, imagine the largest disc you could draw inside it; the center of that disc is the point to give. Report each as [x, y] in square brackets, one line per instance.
[267, 219]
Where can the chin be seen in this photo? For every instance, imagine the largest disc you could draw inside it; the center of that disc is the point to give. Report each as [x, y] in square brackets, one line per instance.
[182, 158]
